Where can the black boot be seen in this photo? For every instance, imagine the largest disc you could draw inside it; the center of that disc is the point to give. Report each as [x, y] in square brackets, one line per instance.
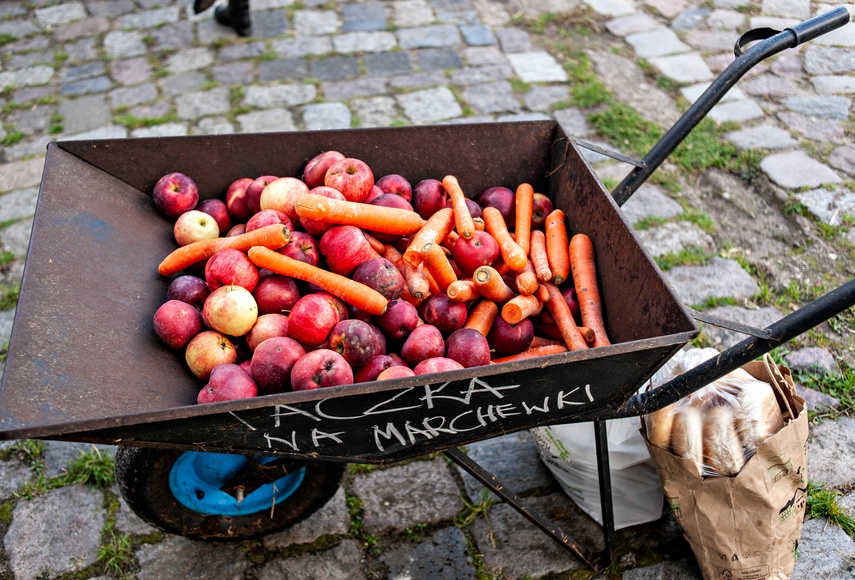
[202, 5]
[236, 15]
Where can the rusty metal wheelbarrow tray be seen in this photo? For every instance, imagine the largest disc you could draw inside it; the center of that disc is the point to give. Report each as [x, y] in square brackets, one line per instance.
[85, 365]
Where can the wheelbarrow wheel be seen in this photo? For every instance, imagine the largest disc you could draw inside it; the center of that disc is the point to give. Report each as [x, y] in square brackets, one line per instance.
[179, 492]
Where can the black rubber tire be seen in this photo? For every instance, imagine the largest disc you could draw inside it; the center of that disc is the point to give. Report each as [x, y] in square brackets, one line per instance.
[142, 475]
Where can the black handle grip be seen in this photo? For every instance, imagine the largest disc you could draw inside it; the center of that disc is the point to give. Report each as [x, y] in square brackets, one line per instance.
[810, 29]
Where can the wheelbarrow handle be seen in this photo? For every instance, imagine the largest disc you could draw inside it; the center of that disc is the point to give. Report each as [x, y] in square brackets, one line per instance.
[772, 42]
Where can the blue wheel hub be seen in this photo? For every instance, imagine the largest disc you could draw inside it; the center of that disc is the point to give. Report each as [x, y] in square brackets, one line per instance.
[196, 478]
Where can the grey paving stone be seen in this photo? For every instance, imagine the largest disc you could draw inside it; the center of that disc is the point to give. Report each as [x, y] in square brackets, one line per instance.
[18, 204]
[540, 66]
[86, 86]
[177, 557]
[240, 51]
[460, 17]
[33, 120]
[843, 158]
[13, 473]
[513, 40]
[127, 521]
[296, 47]
[18, 28]
[771, 85]
[81, 28]
[350, 42]
[435, 36]
[686, 569]
[21, 174]
[388, 63]
[269, 24]
[788, 64]
[829, 205]
[84, 113]
[693, 92]
[650, 201]
[27, 59]
[688, 19]
[32, 76]
[774, 22]
[346, 90]
[672, 237]
[478, 34]
[266, 121]
[334, 68]
[342, 562]
[435, 59]
[58, 455]
[12, 9]
[170, 37]
[827, 60]
[374, 111]
[326, 116]
[398, 497]
[497, 97]
[408, 13]
[419, 80]
[483, 55]
[202, 103]
[816, 401]
[283, 69]
[213, 126]
[824, 551]
[110, 7]
[363, 17]
[762, 137]
[124, 43]
[611, 7]
[267, 97]
[831, 449]
[709, 40]
[795, 169]
[543, 98]
[725, 19]
[331, 519]
[831, 107]
[833, 85]
[658, 42]
[149, 18]
[234, 73]
[722, 338]
[812, 359]
[826, 130]
[313, 22]
[45, 535]
[736, 111]
[105, 132]
[631, 24]
[180, 84]
[89, 69]
[25, 44]
[429, 105]
[443, 554]
[7, 317]
[683, 68]
[512, 547]
[81, 50]
[720, 279]
[481, 74]
[791, 8]
[162, 130]
[60, 13]
[189, 60]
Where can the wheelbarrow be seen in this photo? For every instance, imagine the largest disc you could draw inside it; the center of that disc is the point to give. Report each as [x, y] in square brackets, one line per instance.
[84, 363]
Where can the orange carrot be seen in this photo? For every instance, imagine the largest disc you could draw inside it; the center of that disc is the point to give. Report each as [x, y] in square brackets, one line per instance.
[434, 231]
[273, 236]
[513, 255]
[538, 256]
[416, 282]
[354, 293]
[389, 220]
[462, 291]
[375, 244]
[438, 265]
[587, 333]
[527, 280]
[479, 224]
[542, 293]
[532, 352]
[520, 307]
[556, 246]
[501, 267]
[524, 205]
[585, 281]
[564, 318]
[462, 218]
[433, 287]
[540, 341]
[450, 240]
[482, 316]
[490, 284]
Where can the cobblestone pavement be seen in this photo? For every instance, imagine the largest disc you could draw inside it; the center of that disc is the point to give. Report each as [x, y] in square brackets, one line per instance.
[751, 221]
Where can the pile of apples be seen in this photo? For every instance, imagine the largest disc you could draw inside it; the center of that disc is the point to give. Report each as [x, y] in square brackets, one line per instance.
[247, 331]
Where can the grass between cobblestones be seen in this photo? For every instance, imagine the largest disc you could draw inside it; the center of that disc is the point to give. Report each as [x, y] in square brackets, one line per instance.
[90, 468]
[823, 503]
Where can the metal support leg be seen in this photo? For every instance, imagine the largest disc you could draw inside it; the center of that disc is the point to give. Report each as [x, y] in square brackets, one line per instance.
[602, 443]
[538, 519]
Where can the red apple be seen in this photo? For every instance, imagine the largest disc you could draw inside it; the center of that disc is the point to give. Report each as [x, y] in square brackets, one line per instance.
[273, 361]
[481, 249]
[311, 320]
[541, 208]
[396, 372]
[429, 196]
[207, 350]
[303, 247]
[502, 199]
[396, 184]
[424, 342]
[320, 368]
[381, 275]
[358, 314]
[468, 347]
[399, 320]
[236, 199]
[275, 294]
[507, 338]
[354, 340]
[268, 217]
[190, 289]
[389, 200]
[339, 305]
[175, 193]
[444, 313]
[352, 177]
[228, 382]
[379, 340]
[217, 209]
[345, 248]
[176, 322]
[253, 192]
[281, 195]
[267, 326]
[436, 365]
[569, 293]
[375, 193]
[246, 365]
[372, 369]
[194, 225]
[231, 267]
[231, 310]
[316, 168]
[471, 205]
[318, 227]
[236, 230]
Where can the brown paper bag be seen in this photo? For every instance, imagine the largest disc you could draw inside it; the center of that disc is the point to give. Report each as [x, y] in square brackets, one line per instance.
[746, 527]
